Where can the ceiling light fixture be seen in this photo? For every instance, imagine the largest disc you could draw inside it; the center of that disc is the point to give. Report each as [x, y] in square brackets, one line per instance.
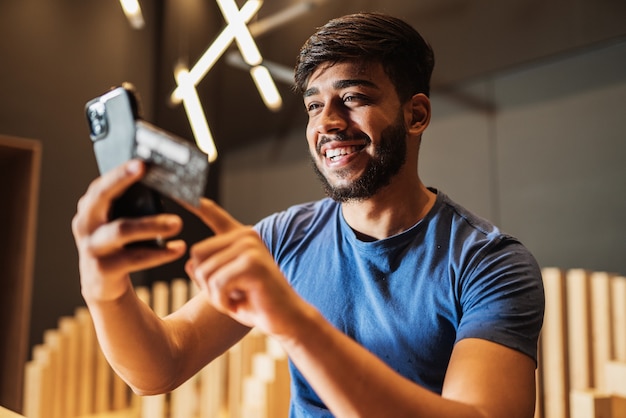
[195, 113]
[249, 57]
[220, 44]
[132, 10]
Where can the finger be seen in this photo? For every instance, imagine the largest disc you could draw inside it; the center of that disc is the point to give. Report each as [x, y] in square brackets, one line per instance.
[138, 259]
[217, 249]
[214, 216]
[115, 235]
[94, 206]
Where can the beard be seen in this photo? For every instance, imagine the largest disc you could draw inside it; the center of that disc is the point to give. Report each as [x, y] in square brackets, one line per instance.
[389, 157]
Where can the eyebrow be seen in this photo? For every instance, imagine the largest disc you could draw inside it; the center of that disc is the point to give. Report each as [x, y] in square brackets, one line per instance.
[341, 84]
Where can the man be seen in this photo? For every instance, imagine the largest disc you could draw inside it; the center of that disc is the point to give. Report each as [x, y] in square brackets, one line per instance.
[390, 299]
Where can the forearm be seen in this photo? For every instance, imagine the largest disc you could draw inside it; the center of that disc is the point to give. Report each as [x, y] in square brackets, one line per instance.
[136, 342]
[353, 382]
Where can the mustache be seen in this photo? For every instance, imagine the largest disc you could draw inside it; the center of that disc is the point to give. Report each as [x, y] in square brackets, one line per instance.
[325, 139]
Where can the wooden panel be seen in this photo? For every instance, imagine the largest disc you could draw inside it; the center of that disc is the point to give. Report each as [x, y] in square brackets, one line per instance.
[601, 326]
[579, 329]
[554, 346]
[590, 404]
[19, 187]
[618, 301]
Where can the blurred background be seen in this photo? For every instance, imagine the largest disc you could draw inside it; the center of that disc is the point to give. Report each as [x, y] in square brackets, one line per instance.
[529, 115]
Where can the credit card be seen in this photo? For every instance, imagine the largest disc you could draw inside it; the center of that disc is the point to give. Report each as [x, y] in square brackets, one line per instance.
[176, 168]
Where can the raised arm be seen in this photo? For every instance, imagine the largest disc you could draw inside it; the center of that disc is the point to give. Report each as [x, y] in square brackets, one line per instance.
[151, 354]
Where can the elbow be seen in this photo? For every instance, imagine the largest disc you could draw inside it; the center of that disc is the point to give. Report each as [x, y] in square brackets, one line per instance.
[150, 390]
[149, 386]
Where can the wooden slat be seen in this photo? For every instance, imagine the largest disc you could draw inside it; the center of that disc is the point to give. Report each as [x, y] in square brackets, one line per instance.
[184, 401]
[601, 326]
[618, 317]
[618, 406]
[579, 329]
[554, 346]
[87, 361]
[213, 388]
[69, 333]
[54, 407]
[279, 394]
[590, 404]
[155, 406]
[615, 375]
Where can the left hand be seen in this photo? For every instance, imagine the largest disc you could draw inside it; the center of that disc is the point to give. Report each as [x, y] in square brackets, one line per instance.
[239, 275]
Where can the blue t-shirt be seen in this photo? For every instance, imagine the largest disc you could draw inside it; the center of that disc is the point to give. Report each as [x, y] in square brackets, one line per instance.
[410, 297]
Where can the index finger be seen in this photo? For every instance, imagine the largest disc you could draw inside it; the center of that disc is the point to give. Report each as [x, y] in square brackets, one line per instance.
[214, 216]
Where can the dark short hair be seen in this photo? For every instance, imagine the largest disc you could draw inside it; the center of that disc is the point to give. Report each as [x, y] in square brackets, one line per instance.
[406, 57]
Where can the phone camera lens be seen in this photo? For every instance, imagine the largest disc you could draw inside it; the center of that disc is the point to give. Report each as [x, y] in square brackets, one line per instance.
[97, 120]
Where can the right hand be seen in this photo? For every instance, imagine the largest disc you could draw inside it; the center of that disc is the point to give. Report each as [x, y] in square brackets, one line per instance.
[104, 261]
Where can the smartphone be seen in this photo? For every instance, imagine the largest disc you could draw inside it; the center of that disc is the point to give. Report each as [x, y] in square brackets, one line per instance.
[112, 127]
[176, 168]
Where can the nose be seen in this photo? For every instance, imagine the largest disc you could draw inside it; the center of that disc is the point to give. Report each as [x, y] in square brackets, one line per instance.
[332, 118]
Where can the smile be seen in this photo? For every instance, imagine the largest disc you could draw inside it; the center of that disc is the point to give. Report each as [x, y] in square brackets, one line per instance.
[336, 153]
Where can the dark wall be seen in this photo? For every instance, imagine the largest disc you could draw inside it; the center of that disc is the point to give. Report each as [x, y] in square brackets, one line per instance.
[54, 56]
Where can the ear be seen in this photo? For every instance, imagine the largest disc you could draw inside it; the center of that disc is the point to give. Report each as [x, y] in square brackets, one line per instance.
[417, 114]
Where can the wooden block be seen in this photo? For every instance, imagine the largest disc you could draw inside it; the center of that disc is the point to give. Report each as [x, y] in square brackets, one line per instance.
[279, 393]
[554, 346]
[601, 326]
[155, 406]
[579, 329]
[213, 384]
[161, 298]
[184, 400]
[615, 375]
[590, 404]
[68, 329]
[52, 341]
[43, 357]
[618, 293]
[87, 360]
[34, 386]
[235, 380]
[102, 384]
[180, 293]
[538, 391]
[254, 397]
[143, 293]
[618, 406]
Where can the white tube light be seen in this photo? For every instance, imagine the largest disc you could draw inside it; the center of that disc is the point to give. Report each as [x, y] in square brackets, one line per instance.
[218, 47]
[266, 87]
[132, 10]
[195, 113]
[245, 43]
[279, 72]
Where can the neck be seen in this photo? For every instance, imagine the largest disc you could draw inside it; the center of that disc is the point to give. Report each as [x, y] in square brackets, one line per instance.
[393, 210]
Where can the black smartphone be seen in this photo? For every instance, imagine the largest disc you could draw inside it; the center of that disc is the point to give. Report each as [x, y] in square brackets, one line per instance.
[112, 128]
[176, 168]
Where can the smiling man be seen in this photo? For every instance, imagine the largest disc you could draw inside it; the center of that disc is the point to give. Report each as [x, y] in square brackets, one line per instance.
[390, 299]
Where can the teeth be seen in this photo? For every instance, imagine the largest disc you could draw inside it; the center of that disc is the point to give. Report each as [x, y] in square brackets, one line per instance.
[338, 152]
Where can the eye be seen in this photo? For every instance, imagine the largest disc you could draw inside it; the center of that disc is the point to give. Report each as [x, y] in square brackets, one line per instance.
[356, 99]
[313, 106]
